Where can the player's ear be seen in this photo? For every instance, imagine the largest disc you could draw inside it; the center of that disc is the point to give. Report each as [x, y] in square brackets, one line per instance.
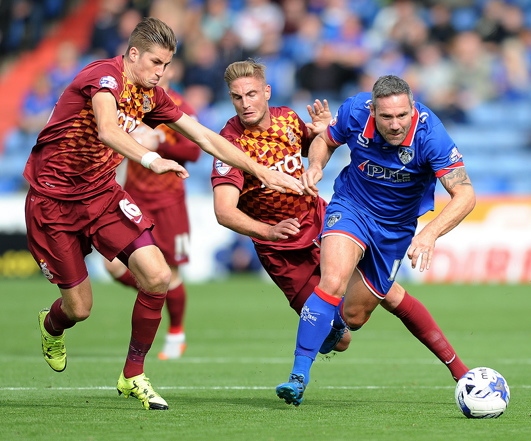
[133, 53]
[371, 110]
[267, 92]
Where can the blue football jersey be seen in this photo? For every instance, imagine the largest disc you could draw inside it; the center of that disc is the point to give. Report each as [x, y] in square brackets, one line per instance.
[395, 184]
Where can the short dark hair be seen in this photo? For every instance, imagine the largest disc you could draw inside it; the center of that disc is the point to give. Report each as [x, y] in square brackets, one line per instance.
[389, 85]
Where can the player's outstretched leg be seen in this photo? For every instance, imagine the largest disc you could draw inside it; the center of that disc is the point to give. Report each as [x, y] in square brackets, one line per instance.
[53, 347]
[292, 391]
[139, 387]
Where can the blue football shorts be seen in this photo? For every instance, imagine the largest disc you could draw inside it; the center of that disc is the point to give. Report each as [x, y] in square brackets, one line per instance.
[384, 244]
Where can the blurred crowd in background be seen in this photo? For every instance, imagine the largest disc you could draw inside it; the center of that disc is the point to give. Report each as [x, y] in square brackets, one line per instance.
[468, 60]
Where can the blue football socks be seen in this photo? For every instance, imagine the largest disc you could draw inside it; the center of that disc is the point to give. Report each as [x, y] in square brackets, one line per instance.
[315, 323]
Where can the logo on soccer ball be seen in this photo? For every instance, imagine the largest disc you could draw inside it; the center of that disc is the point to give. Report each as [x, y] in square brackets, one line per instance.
[482, 393]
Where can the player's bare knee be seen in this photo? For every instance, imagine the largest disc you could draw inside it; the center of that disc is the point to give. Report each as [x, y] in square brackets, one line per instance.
[355, 320]
[333, 286]
[78, 313]
[157, 281]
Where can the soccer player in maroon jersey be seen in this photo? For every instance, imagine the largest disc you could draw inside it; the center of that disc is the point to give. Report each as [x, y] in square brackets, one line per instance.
[162, 198]
[74, 201]
[284, 227]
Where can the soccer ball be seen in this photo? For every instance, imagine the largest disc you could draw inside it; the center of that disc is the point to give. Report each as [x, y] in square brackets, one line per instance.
[482, 393]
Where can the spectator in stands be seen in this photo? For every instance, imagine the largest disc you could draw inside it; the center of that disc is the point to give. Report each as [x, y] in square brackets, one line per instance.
[350, 45]
[440, 26]
[256, 19]
[176, 15]
[499, 21]
[434, 76]
[281, 70]
[216, 18]
[323, 76]
[24, 26]
[294, 12]
[200, 98]
[66, 67]
[203, 67]
[301, 46]
[36, 108]
[473, 70]
[511, 71]
[390, 59]
[409, 31]
[105, 39]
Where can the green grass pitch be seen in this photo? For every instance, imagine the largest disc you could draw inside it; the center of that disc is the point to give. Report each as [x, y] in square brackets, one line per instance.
[241, 336]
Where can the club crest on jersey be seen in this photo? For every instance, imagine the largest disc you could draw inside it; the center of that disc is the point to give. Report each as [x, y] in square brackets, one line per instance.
[406, 154]
[221, 167]
[109, 82]
[332, 219]
[146, 105]
[291, 136]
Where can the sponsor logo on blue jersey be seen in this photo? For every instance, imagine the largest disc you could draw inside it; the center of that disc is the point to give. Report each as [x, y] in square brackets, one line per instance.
[363, 141]
[384, 173]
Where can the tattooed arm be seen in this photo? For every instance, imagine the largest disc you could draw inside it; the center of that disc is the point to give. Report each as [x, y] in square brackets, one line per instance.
[463, 199]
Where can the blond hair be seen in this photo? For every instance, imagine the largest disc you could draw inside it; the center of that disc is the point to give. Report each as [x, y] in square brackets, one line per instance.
[247, 68]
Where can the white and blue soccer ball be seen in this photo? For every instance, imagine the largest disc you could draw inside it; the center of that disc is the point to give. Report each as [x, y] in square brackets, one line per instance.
[482, 393]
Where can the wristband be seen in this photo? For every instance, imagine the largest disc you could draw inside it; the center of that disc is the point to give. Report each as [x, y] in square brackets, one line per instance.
[148, 158]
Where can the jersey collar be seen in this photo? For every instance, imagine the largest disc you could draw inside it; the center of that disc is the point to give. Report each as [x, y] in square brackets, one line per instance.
[370, 128]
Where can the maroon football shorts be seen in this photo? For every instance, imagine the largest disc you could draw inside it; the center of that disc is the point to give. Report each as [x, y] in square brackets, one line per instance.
[296, 272]
[172, 232]
[61, 233]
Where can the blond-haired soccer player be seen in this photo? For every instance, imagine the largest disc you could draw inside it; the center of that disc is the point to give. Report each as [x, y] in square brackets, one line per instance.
[284, 228]
[74, 201]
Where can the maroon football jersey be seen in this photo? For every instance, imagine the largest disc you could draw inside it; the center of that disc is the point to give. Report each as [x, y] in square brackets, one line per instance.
[278, 148]
[69, 161]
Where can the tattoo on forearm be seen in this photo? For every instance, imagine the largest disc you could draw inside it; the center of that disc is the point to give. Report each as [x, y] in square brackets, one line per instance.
[457, 176]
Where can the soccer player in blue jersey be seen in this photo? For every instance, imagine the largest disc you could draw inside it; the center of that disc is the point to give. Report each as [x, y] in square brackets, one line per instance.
[399, 149]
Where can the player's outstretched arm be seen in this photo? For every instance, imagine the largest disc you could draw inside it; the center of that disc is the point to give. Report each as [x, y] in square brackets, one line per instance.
[321, 149]
[226, 197]
[112, 135]
[222, 149]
